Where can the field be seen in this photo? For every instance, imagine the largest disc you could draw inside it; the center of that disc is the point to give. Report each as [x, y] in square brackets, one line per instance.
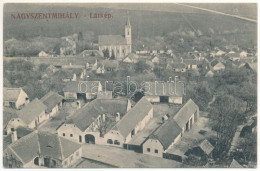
[144, 23]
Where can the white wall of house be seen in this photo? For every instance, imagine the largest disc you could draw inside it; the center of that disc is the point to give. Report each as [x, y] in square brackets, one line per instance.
[42, 117]
[175, 100]
[71, 132]
[22, 99]
[153, 99]
[14, 123]
[72, 159]
[151, 145]
[114, 135]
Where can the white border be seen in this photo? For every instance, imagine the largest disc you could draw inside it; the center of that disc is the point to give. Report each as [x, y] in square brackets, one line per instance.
[114, 1]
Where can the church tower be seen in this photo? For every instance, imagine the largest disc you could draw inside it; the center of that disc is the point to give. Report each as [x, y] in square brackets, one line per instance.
[128, 34]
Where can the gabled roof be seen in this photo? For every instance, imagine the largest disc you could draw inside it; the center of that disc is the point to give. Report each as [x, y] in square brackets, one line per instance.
[133, 117]
[163, 89]
[110, 63]
[235, 164]
[44, 144]
[167, 133]
[252, 66]
[51, 99]
[21, 132]
[206, 146]
[190, 61]
[183, 115]
[11, 94]
[178, 66]
[82, 86]
[31, 111]
[85, 116]
[233, 55]
[106, 40]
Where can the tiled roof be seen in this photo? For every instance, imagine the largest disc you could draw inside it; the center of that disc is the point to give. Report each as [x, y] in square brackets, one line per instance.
[51, 99]
[11, 94]
[206, 146]
[235, 164]
[31, 111]
[133, 117]
[85, 116]
[21, 132]
[106, 40]
[167, 133]
[185, 113]
[45, 144]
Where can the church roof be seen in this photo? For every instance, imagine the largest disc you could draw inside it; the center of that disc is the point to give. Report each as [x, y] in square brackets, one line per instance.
[106, 40]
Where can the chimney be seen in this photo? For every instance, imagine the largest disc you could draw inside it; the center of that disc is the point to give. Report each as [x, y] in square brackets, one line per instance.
[118, 117]
[14, 136]
[165, 117]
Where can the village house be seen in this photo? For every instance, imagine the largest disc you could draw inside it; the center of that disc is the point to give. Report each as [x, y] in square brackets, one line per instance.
[15, 135]
[190, 63]
[157, 92]
[15, 97]
[41, 149]
[105, 95]
[30, 116]
[250, 66]
[156, 60]
[234, 56]
[162, 138]
[121, 46]
[85, 90]
[170, 132]
[133, 122]
[235, 164]
[177, 67]
[42, 54]
[131, 58]
[91, 122]
[243, 54]
[110, 65]
[68, 45]
[217, 65]
[220, 53]
[204, 149]
[53, 102]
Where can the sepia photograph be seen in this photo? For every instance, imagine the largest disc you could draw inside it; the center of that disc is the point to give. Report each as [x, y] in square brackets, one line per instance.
[129, 85]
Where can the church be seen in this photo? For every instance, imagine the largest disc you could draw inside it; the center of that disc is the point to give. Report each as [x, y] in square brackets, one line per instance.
[120, 45]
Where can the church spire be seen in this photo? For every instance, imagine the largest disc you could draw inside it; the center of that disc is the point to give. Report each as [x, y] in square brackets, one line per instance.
[128, 22]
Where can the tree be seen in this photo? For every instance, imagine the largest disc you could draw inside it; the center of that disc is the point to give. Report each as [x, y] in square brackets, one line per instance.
[224, 116]
[106, 53]
[80, 36]
[113, 55]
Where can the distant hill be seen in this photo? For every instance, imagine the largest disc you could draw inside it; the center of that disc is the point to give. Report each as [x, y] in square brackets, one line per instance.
[144, 23]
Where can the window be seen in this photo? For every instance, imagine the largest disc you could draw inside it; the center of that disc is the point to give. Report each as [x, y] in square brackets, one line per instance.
[71, 158]
[116, 142]
[63, 134]
[109, 141]
[156, 151]
[71, 135]
[148, 149]
[12, 129]
[80, 138]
